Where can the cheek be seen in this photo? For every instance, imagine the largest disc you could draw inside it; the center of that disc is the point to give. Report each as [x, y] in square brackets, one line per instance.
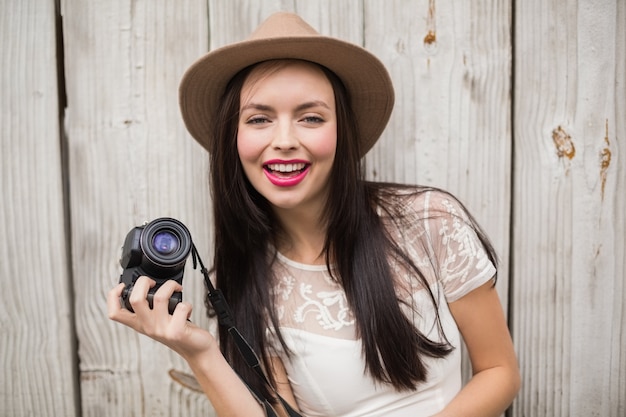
[326, 144]
[247, 147]
[321, 143]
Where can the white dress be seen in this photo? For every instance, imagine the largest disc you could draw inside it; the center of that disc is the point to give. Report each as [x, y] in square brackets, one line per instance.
[327, 370]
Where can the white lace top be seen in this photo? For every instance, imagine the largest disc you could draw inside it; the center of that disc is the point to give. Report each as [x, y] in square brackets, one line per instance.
[327, 369]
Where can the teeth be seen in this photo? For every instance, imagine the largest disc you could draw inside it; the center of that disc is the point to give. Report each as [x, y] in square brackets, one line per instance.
[286, 167]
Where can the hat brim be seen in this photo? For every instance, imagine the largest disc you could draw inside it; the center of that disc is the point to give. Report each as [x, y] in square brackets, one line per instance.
[364, 76]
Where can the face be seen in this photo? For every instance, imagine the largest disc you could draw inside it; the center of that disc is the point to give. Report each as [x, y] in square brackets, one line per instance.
[287, 134]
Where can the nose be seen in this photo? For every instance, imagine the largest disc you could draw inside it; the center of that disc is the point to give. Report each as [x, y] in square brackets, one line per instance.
[285, 137]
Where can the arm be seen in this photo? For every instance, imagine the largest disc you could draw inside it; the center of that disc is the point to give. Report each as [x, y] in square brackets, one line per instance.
[227, 393]
[496, 379]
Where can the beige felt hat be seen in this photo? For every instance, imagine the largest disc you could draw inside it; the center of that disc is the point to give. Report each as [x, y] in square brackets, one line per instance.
[287, 36]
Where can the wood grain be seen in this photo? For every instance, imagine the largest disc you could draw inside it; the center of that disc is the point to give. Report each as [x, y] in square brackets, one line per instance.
[39, 371]
[130, 161]
[569, 207]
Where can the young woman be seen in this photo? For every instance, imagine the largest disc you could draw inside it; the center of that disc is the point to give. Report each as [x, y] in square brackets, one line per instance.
[354, 294]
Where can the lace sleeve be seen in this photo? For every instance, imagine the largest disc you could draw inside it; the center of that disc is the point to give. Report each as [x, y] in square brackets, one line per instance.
[461, 258]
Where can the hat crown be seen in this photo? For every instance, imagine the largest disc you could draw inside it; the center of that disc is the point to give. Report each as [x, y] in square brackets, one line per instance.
[283, 25]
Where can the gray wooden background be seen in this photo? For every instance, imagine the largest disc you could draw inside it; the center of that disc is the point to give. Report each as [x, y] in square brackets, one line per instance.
[518, 107]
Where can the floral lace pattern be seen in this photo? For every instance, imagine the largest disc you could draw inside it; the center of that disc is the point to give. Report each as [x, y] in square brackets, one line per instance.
[470, 254]
[313, 301]
[321, 307]
[439, 241]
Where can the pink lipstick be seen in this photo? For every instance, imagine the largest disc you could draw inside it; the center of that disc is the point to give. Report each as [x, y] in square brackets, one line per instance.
[286, 173]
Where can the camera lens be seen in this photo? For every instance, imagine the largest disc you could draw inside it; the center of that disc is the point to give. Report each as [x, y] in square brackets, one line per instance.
[165, 243]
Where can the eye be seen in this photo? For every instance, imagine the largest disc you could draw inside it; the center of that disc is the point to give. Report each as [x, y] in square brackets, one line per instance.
[313, 119]
[257, 120]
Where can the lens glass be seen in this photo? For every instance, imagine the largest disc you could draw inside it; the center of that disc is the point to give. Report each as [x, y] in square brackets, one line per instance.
[165, 243]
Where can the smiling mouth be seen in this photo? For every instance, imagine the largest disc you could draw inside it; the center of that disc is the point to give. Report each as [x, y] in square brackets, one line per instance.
[286, 170]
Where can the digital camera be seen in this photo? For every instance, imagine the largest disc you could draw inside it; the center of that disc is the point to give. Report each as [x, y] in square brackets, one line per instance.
[159, 250]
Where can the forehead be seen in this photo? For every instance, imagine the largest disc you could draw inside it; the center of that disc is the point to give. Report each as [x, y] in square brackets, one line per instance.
[294, 68]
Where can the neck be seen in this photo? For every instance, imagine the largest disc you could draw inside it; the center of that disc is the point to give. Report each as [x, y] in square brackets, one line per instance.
[303, 237]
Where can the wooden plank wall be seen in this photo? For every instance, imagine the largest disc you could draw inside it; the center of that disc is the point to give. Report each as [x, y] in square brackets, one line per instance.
[518, 108]
[130, 161]
[37, 343]
[568, 313]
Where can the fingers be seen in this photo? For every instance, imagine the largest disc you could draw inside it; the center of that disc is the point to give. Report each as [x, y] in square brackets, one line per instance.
[162, 297]
[138, 297]
[174, 331]
[183, 311]
[114, 307]
[153, 320]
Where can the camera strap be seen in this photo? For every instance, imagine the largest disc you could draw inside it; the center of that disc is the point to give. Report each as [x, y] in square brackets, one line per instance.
[224, 318]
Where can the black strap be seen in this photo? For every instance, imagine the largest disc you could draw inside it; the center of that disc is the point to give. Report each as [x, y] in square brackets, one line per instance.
[225, 318]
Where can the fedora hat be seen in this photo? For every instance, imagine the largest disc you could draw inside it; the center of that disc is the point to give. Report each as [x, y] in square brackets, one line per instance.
[286, 36]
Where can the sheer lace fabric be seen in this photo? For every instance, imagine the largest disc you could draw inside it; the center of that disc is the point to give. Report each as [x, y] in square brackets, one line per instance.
[327, 370]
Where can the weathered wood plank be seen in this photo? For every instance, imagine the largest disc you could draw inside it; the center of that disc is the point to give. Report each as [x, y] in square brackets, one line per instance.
[570, 207]
[234, 21]
[131, 160]
[38, 373]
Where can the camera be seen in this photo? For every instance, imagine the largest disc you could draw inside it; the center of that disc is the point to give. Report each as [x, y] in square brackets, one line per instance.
[159, 250]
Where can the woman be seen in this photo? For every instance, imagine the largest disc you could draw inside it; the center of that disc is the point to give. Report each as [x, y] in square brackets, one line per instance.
[354, 294]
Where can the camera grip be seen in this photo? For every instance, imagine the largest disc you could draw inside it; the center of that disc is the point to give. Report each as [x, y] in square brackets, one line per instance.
[177, 297]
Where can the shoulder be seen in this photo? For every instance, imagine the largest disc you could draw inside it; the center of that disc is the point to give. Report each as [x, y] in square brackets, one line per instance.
[418, 202]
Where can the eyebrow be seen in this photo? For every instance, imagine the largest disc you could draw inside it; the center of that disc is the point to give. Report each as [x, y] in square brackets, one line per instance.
[300, 107]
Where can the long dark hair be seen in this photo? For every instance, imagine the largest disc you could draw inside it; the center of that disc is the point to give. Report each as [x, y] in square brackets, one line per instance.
[356, 242]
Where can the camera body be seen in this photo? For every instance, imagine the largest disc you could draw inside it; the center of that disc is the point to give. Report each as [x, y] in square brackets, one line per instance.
[159, 250]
